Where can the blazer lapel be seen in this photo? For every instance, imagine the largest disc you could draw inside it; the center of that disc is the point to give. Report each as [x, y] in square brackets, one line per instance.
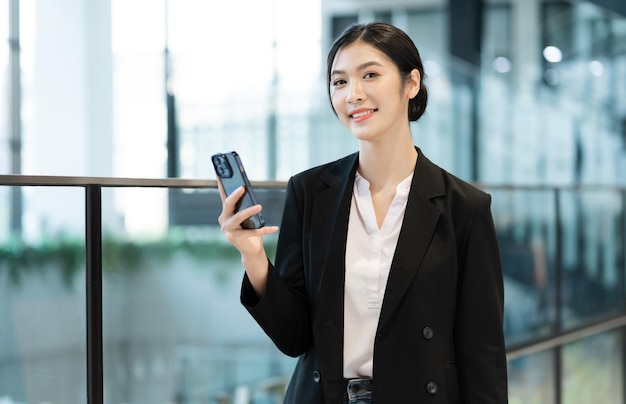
[420, 220]
[330, 214]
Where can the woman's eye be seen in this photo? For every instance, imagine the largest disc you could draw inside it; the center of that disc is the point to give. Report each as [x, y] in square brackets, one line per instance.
[338, 82]
[370, 75]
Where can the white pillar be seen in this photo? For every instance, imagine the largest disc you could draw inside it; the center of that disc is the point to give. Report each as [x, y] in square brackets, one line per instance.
[67, 114]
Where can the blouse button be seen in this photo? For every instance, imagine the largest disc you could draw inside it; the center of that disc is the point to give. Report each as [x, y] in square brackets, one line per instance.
[431, 387]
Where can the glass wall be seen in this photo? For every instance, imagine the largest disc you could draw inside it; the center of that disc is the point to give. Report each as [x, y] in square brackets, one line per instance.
[198, 83]
[42, 310]
[528, 226]
[563, 255]
[592, 371]
[593, 254]
[553, 99]
[173, 327]
[139, 132]
[191, 82]
[597, 361]
[174, 330]
[532, 379]
[159, 100]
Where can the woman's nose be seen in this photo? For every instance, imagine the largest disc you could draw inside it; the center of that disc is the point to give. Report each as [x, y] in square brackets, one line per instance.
[355, 93]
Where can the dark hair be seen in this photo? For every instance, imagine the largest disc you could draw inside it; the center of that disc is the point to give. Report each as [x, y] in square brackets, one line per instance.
[398, 47]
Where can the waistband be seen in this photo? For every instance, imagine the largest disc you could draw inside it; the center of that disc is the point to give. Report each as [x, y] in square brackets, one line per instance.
[358, 386]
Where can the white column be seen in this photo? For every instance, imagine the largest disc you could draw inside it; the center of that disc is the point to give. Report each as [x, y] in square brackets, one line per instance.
[67, 108]
[99, 88]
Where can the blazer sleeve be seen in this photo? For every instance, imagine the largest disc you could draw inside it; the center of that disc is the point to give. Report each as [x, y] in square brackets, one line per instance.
[479, 335]
[283, 311]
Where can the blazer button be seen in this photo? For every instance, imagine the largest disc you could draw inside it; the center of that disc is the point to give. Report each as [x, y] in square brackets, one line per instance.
[428, 333]
[316, 376]
[431, 387]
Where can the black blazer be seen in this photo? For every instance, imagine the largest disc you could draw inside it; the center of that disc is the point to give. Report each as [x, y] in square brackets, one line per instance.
[440, 336]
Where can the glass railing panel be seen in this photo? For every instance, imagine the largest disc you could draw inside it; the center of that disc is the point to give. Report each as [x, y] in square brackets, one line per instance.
[5, 212]
[593, 369]
[592, 254]
[532, 380]
[174, 329]
[42, 300]
[525, 222]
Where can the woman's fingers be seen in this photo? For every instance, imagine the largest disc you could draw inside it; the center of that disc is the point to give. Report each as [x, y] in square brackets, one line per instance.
[246, 213]
[238, 235]
[233, 221]
[232, 199]
[228, 204]
[245, 240]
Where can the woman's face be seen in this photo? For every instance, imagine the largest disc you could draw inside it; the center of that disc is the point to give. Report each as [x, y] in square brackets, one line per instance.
[368, 92]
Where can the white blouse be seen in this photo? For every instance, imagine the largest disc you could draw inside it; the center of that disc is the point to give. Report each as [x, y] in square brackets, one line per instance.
[369, 252]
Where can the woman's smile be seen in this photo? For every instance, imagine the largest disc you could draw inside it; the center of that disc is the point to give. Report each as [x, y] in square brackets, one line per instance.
[362, 114]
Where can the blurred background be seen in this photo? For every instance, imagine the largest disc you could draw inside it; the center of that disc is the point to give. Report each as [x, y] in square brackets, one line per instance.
[527, 99]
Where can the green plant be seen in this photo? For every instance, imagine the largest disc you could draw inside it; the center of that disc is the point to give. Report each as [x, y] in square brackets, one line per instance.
[67, 254]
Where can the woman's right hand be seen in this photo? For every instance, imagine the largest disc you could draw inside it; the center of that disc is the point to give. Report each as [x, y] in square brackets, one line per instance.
[249, 242]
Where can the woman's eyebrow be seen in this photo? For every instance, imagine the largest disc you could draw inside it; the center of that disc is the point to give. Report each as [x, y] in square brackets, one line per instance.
[360, 67]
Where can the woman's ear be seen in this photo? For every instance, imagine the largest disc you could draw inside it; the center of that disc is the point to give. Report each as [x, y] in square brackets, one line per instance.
[415, 80]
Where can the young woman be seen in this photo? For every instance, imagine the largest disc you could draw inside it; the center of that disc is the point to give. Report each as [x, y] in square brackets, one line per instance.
[387, 281]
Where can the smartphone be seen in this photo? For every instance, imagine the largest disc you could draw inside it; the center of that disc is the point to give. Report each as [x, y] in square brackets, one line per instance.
[231, 174]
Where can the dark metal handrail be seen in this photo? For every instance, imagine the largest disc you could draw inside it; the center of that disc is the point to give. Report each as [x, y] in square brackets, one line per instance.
[119, 182]
[55, 180]
[565, 337]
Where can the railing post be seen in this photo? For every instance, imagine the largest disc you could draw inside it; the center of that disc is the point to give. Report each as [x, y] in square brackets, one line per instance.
[93, 241]
[558, 281]
[622, 282]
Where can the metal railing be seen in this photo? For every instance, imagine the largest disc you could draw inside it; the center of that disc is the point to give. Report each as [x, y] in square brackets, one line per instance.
[558, 337]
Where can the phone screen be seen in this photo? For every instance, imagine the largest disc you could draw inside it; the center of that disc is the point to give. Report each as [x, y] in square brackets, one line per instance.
[231, 174]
